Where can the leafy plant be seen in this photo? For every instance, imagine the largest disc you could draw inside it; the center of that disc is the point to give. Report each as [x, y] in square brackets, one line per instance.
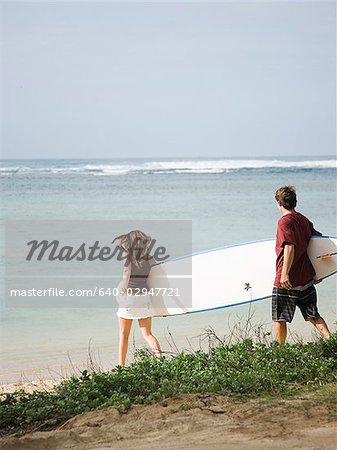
[244, 368]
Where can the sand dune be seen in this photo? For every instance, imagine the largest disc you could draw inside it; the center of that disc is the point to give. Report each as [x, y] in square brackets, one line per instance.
[195, 421]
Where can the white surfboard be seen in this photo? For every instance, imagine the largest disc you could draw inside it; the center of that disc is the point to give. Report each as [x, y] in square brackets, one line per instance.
[227, 276]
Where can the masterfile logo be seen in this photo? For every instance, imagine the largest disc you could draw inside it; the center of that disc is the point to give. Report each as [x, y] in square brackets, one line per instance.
[54, 250]
[79, 256]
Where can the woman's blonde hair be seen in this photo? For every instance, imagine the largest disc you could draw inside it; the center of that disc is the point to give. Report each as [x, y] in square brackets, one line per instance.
[136, 244]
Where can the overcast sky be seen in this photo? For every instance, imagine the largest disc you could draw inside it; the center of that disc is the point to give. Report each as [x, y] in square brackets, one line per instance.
[89, 80]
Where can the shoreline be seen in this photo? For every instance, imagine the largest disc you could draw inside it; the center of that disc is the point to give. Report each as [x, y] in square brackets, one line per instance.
[42, 377]
[29, 386]
[104, 353]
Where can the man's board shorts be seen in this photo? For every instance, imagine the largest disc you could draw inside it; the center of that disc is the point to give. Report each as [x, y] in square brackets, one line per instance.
[284, 302]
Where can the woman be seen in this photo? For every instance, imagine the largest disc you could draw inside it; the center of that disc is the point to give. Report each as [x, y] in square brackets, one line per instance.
[133, 297]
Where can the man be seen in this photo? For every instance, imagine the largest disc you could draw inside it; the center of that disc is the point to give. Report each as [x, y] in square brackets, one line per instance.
[295, 275]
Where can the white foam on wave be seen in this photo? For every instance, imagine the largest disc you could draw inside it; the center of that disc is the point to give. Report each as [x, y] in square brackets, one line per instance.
[11, 169]
[202, 166]
[181, 166]
[230, 164]
[110, 169]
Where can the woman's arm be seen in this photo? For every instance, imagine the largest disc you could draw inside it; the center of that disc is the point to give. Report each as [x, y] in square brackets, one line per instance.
[152, 261]
[288, 258]
[126, 277]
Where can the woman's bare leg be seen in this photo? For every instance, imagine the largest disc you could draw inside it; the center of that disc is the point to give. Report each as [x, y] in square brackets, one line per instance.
[145, 326]
[124, 333]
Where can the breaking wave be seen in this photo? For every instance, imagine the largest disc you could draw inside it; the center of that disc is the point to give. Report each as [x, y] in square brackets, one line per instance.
[113, 168]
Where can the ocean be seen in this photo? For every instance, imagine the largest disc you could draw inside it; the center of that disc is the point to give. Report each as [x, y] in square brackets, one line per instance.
[228, 200]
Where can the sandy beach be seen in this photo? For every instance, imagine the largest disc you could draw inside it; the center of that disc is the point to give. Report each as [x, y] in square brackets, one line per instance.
[196, 421]
[30, 386]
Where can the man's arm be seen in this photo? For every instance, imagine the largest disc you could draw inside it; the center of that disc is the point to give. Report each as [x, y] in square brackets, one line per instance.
[288, 258]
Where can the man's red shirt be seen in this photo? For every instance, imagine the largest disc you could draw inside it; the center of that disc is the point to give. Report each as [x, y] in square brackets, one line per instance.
[295, 229]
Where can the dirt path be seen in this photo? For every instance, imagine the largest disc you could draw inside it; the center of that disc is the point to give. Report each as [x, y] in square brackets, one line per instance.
[196, 422]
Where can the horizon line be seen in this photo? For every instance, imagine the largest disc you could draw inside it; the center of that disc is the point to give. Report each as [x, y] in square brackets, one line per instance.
[333, 156]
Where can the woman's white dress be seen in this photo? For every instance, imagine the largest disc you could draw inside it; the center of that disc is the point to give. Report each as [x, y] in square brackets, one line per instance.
[133, 306]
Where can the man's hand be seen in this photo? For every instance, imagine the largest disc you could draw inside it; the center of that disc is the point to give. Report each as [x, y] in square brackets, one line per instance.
[285, 281]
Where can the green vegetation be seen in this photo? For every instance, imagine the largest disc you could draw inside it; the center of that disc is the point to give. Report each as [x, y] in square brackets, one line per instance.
[243, 369]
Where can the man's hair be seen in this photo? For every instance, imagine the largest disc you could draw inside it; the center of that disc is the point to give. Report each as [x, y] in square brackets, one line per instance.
[286, 197]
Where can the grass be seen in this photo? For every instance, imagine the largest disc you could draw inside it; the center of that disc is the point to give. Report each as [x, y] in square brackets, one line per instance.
[244, 369]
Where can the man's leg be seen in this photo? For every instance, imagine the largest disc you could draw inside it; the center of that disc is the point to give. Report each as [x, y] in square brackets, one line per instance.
[310, 313]
[320, 326]
[283, 310]
[280, 331]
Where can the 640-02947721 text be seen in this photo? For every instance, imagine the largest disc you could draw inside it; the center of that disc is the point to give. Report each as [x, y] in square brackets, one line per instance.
[101, 292]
